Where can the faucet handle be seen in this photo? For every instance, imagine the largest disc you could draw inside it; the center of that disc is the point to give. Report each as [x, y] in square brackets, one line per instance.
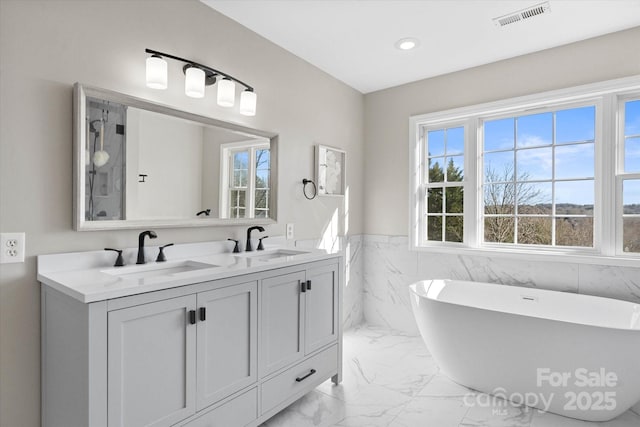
[260, 247]
[119, 260]
[236, 248]
[161, 257]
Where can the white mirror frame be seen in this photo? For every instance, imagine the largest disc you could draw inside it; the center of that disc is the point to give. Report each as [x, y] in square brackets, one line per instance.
[80, 93]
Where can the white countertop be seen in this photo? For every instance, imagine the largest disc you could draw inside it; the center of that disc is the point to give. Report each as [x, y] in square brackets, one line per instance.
[89, 276]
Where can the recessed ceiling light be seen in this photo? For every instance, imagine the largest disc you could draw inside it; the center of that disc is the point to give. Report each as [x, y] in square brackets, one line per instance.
[407, 43]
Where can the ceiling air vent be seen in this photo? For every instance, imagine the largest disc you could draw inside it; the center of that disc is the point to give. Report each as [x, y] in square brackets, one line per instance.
[521, 15]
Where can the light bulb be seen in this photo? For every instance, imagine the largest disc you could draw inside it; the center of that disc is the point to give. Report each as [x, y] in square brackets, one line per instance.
[248, 100]
[194, 82]
[156, 72]
[226, 93]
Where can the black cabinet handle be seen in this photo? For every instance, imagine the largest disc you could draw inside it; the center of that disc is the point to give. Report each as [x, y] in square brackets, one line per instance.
[303, 287]
[203, 314]
[308, 285]
[311, 372]
[192, 317]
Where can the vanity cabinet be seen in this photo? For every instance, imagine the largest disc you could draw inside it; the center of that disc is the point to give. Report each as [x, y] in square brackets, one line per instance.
[299, 315]
[151, 363]
[227, 352]
[170, 358]
[227, 342]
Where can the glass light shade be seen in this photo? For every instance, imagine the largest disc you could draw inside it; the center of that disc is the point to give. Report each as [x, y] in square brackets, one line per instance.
[194, 82]
[156, 72]
[248, 100]
[226, 93]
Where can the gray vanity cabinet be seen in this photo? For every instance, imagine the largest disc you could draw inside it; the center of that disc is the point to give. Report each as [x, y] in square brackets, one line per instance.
[321, 307]
[227, 342]
[282, 321]
[221, 353]
[299, 315]
[299, 324]
[171, 358]
[152, 363]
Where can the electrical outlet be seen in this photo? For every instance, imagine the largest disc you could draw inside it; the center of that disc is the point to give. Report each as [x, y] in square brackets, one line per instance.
[11, 247]
[290, 231]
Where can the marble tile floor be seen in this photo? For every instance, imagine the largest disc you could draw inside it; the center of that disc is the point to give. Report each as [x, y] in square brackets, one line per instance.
[389, 379]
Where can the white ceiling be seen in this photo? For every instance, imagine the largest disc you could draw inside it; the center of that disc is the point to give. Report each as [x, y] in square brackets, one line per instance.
[353, 40]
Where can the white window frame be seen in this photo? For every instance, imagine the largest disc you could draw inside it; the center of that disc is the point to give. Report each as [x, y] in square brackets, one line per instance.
[425, 184]
[226, 157]
[621, 175]
[606, 96]
[598, 211]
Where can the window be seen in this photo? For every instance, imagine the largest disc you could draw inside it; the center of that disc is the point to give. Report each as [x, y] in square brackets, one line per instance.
[630, 175]
[547, 173]
[245, 190]
[538, 178]
[444, 184]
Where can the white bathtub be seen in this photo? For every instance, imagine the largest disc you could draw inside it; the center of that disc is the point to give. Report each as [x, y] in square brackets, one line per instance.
[574, 355]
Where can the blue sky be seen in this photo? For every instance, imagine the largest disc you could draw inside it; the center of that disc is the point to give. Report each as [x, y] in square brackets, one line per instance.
[533, 136]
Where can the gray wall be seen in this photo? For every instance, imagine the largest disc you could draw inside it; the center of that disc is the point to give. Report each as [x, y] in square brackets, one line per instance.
[387, 112]
[46, 46]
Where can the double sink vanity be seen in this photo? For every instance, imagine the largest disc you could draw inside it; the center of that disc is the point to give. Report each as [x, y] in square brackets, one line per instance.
[205, 335]
[207, 338]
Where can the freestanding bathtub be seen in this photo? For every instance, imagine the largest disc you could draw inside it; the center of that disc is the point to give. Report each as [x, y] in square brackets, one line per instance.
[573, 355]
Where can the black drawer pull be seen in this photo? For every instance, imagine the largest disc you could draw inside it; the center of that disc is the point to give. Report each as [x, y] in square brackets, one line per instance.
[311, 372]
[303, 287]
[203, 314]
[308, 285]
[192, 317]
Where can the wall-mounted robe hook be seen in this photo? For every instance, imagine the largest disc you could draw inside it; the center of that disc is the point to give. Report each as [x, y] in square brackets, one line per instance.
[142, 177]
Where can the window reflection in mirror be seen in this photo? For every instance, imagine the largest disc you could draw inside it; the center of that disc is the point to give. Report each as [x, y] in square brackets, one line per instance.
[245, 184]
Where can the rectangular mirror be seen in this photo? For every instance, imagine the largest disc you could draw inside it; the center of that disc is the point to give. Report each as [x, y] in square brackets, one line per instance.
[141, 164]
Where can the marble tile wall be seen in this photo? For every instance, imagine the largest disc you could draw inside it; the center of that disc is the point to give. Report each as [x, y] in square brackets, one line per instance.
[389, 267]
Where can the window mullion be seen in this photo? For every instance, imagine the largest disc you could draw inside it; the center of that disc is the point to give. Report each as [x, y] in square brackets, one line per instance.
[606, 208]
[472, 187]
[251, 184]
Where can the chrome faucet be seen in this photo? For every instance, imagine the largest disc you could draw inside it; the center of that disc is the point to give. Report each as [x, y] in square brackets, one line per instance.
[248, 247]
[141, 236]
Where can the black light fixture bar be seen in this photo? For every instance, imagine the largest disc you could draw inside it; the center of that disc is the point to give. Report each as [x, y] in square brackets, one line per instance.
[211, 72]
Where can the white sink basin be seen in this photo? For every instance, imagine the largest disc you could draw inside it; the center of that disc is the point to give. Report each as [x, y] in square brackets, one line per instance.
[156, 269]
[268, 255]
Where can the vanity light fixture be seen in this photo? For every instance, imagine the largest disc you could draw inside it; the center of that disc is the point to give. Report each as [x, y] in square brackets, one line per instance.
[194, 79]
[156, 72]
[226, 93]
[197, 77]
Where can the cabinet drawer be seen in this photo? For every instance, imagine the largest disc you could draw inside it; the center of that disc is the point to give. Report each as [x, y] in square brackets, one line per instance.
[299, 378]
[237, 412]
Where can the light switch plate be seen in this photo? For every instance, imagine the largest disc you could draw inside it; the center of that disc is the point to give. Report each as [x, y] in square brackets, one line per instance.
[11, 247]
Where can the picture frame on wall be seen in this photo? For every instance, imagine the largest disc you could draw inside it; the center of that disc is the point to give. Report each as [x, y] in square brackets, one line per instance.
[331, 168]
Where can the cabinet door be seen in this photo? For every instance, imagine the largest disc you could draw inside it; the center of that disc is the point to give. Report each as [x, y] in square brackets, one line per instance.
[227, 341]
[281, 321]
[151, 363]
[321, 322]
